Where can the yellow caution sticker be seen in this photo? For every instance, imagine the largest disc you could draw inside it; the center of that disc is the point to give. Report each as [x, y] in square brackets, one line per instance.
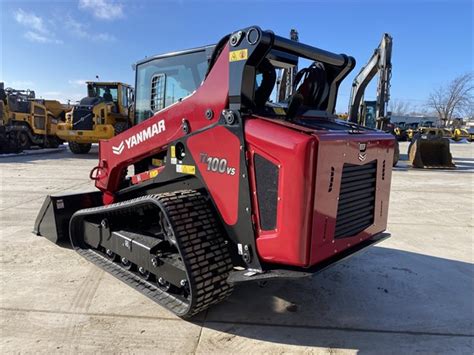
[154, 173]
[279, 111]
[186, 169]
[235, 56]
[173, 151]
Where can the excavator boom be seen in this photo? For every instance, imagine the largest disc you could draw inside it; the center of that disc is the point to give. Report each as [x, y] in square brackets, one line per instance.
[380, 63]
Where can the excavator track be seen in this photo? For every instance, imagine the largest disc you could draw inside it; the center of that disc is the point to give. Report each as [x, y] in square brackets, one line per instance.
[186, 240]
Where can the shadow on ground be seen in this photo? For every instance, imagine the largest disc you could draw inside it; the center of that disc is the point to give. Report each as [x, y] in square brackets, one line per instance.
[382, 293]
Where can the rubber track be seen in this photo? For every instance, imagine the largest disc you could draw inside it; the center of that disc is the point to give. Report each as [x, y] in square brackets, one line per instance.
[200, 240]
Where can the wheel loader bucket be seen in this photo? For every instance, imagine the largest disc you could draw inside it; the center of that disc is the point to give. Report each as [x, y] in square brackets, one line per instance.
[430, 153]
[53, 218]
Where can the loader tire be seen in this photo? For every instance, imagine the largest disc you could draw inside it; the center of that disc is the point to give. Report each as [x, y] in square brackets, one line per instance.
[51, 142]
[24, 141]
[80, 148]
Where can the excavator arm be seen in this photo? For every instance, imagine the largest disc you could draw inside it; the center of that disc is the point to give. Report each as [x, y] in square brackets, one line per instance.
[380, 63]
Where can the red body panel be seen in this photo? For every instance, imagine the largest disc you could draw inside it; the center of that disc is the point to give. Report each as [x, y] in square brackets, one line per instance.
[212, 94]
[219, 143]
[293, 152]
[306, 213]
[335, 149]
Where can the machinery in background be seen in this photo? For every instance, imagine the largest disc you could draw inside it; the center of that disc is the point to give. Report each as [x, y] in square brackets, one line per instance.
[286, 75]
[226, 186]
[9, 134]
[104, 113]
[470, 132]
[458, 133]
[430, 149]
[411, 129]
[33, 120]
[400, 131]
[374, 114]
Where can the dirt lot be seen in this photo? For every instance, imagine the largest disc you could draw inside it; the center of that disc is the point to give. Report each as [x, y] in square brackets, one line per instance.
[411, 293]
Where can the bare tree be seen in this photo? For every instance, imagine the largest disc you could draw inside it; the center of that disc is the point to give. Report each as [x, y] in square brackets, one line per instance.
[399, 108]
[453, 99]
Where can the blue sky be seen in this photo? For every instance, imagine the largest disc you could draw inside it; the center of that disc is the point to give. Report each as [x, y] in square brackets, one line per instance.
[54, 46]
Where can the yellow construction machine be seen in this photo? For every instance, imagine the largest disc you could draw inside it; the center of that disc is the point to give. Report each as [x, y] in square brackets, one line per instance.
[105, 112]
[459, 134]
[400, 131]
[33, 120]
[411, 129]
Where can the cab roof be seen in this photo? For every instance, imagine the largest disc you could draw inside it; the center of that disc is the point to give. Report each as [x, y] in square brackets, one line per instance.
[173, 54]
[107, 83]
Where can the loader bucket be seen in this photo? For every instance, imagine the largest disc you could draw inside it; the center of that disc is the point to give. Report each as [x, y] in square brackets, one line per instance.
[430, 153]
[53, 218]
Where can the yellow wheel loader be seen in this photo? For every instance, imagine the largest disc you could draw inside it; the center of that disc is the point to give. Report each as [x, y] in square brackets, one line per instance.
[411, 130]
[105, 112]
[400, 131]
[34, 120]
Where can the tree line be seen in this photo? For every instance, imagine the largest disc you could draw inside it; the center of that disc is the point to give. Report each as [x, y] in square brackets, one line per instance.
[454, 99]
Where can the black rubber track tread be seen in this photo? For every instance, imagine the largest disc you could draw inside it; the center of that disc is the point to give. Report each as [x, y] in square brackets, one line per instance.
[201, 243]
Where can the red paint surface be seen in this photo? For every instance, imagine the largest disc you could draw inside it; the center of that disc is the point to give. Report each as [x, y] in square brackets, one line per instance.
[219, 143]
[293, 151]
[306, 206]
[212, 94]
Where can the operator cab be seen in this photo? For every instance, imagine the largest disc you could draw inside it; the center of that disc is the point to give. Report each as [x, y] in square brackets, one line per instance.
[19, 100]
[110, 92]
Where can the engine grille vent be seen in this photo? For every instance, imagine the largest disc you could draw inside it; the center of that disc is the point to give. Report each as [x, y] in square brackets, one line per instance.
[82, 119]
[355, 210]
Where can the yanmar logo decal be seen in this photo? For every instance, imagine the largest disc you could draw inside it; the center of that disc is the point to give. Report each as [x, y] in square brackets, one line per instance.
[362, 151]
[140, 137]
[118, 150]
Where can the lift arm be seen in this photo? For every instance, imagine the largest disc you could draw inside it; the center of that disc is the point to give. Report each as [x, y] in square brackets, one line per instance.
[381, 63]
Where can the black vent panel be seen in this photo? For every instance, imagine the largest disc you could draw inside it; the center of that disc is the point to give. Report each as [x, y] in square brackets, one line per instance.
[82, 118]
[266, 175]
[356, 207]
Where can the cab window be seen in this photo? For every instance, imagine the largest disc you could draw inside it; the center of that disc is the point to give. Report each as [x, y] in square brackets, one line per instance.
[164, 81]
[124, 96]
[106, 92]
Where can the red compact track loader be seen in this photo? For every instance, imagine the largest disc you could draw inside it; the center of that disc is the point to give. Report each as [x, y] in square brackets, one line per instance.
[216, 184]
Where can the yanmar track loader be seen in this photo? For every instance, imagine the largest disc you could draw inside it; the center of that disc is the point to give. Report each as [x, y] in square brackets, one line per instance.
[228, 186]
